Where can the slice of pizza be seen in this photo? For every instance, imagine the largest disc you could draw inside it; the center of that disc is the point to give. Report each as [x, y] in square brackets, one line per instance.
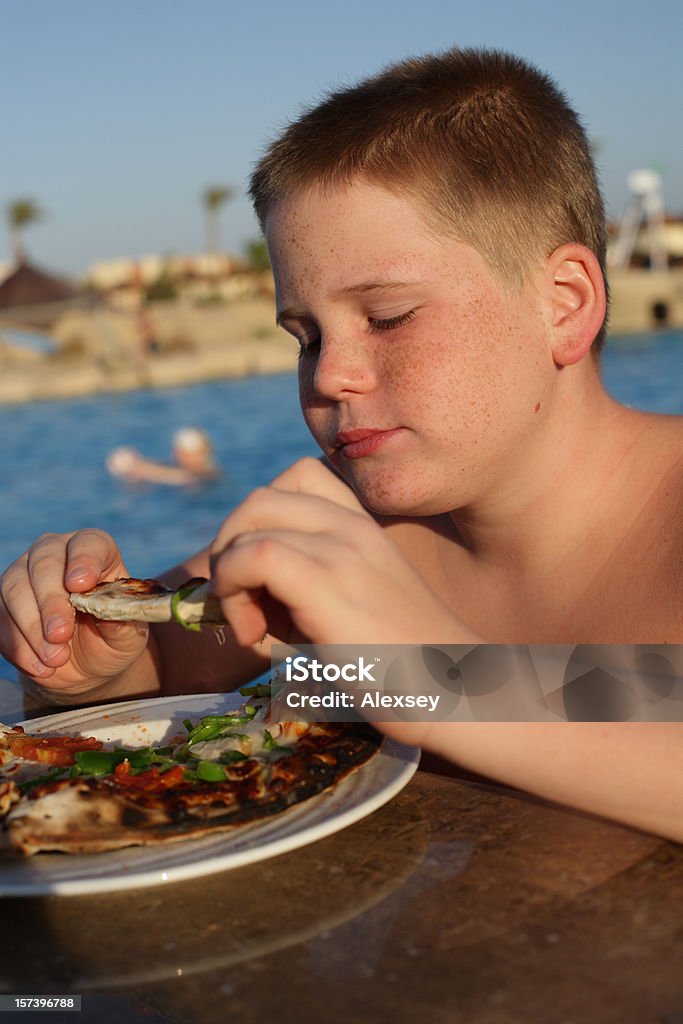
[132, 600]
[227, 771]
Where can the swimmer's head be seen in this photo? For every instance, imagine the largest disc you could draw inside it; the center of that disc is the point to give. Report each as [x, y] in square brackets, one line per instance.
[193, 449]
[191, 439]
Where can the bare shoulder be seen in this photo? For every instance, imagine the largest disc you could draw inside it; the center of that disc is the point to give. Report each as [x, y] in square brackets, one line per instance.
[656, 545]
[667, 429]
[654, 444]
[663, 456]
[657, 469]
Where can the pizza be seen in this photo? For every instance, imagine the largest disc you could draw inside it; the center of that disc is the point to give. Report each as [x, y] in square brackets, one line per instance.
[133, 600]
[72, 794]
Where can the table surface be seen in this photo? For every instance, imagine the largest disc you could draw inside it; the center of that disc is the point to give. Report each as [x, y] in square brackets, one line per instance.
[459, 900]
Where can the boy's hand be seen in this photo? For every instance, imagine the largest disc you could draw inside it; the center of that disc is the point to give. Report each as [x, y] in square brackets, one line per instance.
[303, 560]
[40, 632]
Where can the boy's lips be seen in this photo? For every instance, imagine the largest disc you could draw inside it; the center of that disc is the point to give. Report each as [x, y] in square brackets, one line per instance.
[362, 441]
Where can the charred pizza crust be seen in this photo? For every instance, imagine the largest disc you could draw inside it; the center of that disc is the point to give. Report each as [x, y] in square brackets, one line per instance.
[88, 814]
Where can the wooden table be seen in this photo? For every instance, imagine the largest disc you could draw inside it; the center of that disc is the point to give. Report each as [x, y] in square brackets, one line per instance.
[458, 901]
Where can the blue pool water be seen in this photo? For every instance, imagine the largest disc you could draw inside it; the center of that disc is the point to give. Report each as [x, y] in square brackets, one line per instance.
[53, 460]
[646, 371]
[55, 476]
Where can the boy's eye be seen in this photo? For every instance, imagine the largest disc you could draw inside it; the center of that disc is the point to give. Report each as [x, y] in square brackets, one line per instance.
[391, 322]
[308, 345]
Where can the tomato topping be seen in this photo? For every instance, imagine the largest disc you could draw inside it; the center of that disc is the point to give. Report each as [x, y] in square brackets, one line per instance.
[151, 781]
[55, 750]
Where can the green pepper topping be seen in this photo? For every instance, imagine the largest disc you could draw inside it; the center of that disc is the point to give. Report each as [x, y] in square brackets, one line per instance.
[55, 772]
[103, 762]
[213, 726]
[232, 756]
[255, 690]
[270, 744]
[204, 733]
[210, 771]
[180, 595]
[98, 762]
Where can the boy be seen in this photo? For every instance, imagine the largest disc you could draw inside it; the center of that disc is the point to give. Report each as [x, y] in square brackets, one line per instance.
[437, 240]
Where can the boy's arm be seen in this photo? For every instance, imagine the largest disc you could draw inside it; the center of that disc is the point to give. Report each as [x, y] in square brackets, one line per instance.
[628, 771]
[310, 545]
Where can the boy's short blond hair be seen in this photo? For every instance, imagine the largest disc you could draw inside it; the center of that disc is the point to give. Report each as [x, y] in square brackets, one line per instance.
[486, 143]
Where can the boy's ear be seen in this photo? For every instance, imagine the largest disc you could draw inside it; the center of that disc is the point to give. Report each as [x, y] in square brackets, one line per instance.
[575, 290]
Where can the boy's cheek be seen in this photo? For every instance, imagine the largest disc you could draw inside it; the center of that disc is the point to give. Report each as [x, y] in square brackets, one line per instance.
[306, 374]
[316, 414]
[307, 397]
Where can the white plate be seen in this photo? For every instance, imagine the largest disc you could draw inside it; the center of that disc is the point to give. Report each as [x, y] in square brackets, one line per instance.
[144, 722]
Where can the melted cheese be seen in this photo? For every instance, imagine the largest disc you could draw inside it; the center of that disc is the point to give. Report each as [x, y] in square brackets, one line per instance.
[251, 739]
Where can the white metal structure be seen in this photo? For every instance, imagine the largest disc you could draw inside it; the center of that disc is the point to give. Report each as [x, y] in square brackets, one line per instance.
[645, 205]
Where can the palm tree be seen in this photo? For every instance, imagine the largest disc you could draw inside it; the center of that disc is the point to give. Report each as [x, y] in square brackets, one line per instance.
[213, 199]
[21, 213]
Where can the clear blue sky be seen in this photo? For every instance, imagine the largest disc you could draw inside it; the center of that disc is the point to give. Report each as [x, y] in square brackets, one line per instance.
[116, 115]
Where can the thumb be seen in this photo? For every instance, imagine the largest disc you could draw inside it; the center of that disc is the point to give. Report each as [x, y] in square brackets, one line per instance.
[123, 637]
[105, 648]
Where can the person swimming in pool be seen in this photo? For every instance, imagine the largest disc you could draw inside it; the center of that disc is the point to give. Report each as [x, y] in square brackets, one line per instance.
[193, 461]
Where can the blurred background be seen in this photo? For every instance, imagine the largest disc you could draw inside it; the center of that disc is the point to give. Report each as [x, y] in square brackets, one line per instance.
[116, 116]
[135, 293]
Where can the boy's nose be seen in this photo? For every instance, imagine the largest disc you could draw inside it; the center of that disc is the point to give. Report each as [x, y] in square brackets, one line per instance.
[341, 367]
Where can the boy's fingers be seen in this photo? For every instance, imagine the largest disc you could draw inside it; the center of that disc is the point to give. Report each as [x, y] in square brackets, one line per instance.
[38, 623]
[311, 476]
[19, 651]
[123, 637]
[288, 565]
[267, 558]
[43, 590]
[307, 497]
[45, 626]
[38, 619]
[247, 618]
[90, 556]
[101, 649]
[272, 508]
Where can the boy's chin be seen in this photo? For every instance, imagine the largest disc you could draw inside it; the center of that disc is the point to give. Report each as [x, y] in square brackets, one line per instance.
[392, 490]
[392, 503]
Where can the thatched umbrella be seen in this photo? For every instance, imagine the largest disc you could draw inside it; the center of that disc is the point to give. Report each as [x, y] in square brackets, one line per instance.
[35, 298]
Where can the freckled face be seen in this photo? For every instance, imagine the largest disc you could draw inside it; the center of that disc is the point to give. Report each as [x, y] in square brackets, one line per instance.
[420, 372]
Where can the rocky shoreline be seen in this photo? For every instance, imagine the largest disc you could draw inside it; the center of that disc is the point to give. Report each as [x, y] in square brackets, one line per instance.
[103, 351]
